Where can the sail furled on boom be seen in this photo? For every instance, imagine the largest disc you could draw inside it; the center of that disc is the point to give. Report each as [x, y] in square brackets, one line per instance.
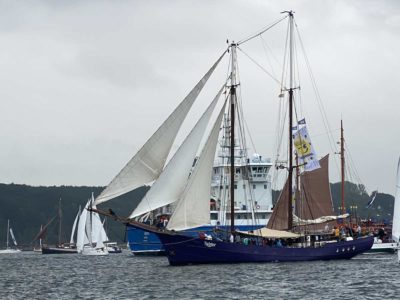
[149, 161]
[169, 186]
[396, 212]
[193, 208]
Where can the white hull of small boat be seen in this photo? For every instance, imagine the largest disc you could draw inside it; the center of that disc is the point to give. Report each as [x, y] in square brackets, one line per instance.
[94, 252]
[10, 251]
[384, 248]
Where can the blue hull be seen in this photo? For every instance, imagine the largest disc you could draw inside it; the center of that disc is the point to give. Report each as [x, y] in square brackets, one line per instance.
[142, 242]
[183, 250]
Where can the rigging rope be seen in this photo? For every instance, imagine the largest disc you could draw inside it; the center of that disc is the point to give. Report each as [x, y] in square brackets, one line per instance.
[261, 31]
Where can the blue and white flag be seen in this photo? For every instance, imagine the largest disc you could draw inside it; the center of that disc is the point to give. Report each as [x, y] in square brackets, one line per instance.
[305, 150]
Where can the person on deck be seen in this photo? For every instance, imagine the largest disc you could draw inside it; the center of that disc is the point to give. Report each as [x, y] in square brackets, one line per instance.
[337, 233]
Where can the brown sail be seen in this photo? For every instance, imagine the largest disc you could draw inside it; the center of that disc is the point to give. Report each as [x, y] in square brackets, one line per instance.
[279, 216]
[315, 199]
[316, 193]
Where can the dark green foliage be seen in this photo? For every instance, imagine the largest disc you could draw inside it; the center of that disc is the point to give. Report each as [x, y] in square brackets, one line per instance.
[356, 200]
[28, 207]
[356, 196]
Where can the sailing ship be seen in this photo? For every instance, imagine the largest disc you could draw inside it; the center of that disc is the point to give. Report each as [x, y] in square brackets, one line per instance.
[8, 249]
[148, 165]
[91, 234]
[251, 182]
[293, 232]
[61, 247]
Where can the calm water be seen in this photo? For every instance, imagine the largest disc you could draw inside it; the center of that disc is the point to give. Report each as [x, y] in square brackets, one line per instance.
[122, 276]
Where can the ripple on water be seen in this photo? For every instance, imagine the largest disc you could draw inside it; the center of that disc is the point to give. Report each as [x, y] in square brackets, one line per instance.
[35, 276]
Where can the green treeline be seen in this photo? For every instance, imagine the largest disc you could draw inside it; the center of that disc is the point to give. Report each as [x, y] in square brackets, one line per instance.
[29, 207]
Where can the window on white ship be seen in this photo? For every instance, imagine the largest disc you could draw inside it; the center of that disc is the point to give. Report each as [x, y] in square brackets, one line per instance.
[237, 171]
[254, 186]
[235, 186]
[265, 187]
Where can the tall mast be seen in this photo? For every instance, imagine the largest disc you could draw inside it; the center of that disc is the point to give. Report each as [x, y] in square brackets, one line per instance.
[342, 162]
[290, 169]
[232, 137]
[59, 221]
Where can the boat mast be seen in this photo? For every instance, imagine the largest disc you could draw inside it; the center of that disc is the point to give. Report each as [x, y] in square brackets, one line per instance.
[59, 221]
[291, 88]
[232, 137]
[342, 162]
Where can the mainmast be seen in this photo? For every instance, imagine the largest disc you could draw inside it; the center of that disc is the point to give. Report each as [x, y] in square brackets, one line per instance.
[342, 162]
[232, 136]
[291, 88]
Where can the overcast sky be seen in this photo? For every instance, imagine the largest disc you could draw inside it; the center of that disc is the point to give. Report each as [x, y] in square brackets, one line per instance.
[85, 83]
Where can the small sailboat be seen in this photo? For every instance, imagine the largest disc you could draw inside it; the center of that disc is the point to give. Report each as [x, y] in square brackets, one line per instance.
[60, 248]
[393, 245]
[112, 247]
[91, 234]
[8, 249]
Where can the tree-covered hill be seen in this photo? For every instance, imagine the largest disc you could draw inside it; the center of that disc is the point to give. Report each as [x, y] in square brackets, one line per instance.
[29, 207]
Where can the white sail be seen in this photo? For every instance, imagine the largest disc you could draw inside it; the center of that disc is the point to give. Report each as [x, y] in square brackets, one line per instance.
[396, 213]
[81, 238]
[99, 241]
[193, 209]
[74, 226]
[98, 232]
[149, 161]
[172, 181]
[13, 237]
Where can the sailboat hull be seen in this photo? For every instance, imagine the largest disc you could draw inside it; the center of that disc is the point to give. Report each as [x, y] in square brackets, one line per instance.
[183, 250]
[10, 251]
[144, 242]
[56, 250]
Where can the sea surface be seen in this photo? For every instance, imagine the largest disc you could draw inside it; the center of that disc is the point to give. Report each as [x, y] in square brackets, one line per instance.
[122, 276]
